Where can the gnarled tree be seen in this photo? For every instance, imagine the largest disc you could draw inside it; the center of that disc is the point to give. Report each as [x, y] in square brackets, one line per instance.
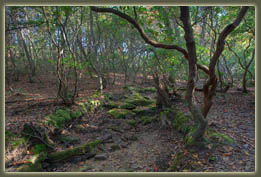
[199, 115]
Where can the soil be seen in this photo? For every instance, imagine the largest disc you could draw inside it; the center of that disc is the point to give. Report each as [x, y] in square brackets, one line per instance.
[145, 148]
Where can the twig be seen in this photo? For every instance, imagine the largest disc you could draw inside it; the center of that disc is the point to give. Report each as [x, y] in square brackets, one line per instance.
[34, 136]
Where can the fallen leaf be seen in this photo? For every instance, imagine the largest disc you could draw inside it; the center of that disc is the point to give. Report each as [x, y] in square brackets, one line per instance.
[230, 148]
[247, 153]
[195, 156]
[204, 161]
[210, 146]
[227, 154]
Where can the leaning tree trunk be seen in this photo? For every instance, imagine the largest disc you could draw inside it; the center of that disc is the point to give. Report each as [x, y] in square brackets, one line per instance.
[210, 86]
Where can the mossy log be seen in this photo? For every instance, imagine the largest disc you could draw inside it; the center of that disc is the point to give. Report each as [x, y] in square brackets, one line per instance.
[138, 100]
[34, 164]
[82, 149]
[127, 106]
[121, 113]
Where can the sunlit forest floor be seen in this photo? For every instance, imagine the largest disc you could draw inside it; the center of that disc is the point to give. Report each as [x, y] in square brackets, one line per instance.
[144, 148]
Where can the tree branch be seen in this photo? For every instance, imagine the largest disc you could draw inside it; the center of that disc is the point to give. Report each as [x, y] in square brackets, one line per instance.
[141, 31]
[143, 34]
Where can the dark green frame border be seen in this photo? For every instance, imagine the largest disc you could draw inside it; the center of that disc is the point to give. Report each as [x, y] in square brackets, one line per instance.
[124, 2]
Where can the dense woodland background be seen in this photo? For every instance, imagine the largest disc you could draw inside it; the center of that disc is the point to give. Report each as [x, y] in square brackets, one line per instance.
[130, 88]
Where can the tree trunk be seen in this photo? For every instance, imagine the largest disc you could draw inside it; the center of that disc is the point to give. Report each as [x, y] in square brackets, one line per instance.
[95, 43]
[28, 55]
[244, 81]
[193, 107]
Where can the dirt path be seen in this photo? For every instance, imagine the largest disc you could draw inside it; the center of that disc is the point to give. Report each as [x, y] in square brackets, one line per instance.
[140, 155]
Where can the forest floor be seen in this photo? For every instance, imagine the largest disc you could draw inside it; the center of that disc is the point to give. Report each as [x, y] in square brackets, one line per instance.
[145, 148]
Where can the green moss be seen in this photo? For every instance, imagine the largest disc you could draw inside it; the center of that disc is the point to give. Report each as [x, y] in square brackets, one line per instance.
[139, 112]
[108, 96]
[63, 113]
[93, 144]
[147, 120]
[83, 107]
[111, 105]
[70, 140]
[132, 122]
[13, 140]
[212, 159]
[189, 140]
[153, 105]
[34, 164]
[127, 106]
[226, 138]
[63, 155]
[76, 114]
[149, 89]
[92, 104]
[138, 100]
[129, 88]
[97, 94]
[120, 113]
[60, 118]
[38, 148]
[17, 142]
[182, 123]
[189, 137]
[116, 128]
